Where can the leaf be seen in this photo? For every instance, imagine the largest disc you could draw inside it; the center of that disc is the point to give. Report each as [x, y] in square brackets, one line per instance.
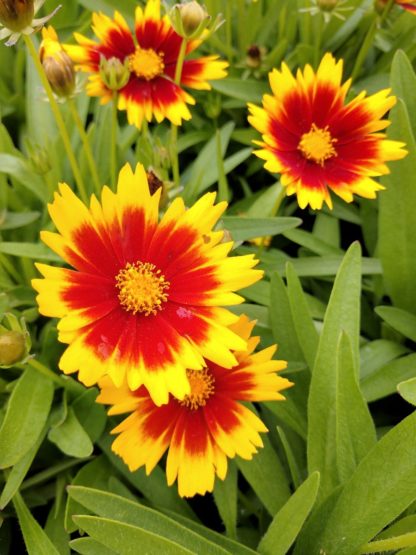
[90, 414]
[26, 415]
[225, 496]
[29, 250]
[403, 83]
[286, 524]
[20, 170]
[382, 487]
[375, 354]
[267, 477]
[71, 438]
[384, 382]
[397, 224]
[407, 390]
[14, 220]
[123, 510]
[124, 539]
[247, 90]
[126, 7]
[343, 314]
[88, 546]
[243, 228]
[36, 541]
[402, 321]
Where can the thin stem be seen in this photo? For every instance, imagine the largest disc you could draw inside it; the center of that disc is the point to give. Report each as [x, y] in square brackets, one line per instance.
[8, 266]
[114, 128]
[389, 544]
[174, 129]
[58, 118]
[42, 369]
[275, 209]
[368, 40]
[86, 144]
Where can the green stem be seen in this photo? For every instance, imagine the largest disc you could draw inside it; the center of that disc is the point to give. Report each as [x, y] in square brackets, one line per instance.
[9, 267]
[114, 128]
[389, 544]
[42, 369]
[58, 118]
[86, 143]
[174, 129]
[368, 40]
[275, 209]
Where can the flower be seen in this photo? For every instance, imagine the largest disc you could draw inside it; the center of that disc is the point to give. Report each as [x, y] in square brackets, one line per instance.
[409, 5]
[145, 299]
[207, 426]
[151, 90]
[58, 66]
[317, 141]
[17, 18]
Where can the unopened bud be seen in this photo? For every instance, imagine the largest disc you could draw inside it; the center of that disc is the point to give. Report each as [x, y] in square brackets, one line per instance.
[155, 184]
[60, 72]
[327, 5]
[114, 73]
[12, 348]
[255, 55]
[189, 19]
[16, 15]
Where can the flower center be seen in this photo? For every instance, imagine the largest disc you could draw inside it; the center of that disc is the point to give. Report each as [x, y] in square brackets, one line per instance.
[146, 63]
[142, 288]
[317, 145]
[202, 387]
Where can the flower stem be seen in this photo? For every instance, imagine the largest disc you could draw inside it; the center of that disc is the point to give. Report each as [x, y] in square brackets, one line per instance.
[58, 118]
[368, 40]
[114, 128]
[61, 381]
[86, 143]
[389, 544]
[174, 129]
[275, 209]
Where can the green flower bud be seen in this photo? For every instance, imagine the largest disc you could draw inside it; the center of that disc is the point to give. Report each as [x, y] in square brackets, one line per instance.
[60, 72]
[13, 348]
[189, 19]
[114, 73]
[16, 15]
[327, 5]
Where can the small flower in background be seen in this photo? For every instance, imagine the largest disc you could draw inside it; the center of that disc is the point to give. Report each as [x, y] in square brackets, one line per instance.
[205, 428]
[58, 66]
[17, 18]
[150, 91]
[192, 21]
[144, 302]
[318, 142]
[408, 5]
[328, 9]
[254, 56]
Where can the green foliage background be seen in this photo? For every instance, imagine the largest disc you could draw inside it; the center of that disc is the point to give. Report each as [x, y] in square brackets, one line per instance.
[338, 469]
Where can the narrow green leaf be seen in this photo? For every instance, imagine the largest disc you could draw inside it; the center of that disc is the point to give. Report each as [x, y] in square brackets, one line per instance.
[71, 438]
[402, 321]
[28, 250]
[403, 83]
[242, 229]
[20, 170]
[267, 477]
[123, 510]
[384, 382]
[225, 495]
[407, 390]
[14, 220]
[36, 541]
[343, 313]
[375, 354]
[305, 329]
[286, 524]
[247, 90]
[26, 415]
[291, 458]
[124, 539]
[397, 245]
[382, 487]
[88, 546]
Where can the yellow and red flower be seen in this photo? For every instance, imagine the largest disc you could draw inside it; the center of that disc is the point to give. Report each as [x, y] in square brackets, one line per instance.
[145, 299]
[207, 426]
[317, 141]
[409, 5]
[151, 57]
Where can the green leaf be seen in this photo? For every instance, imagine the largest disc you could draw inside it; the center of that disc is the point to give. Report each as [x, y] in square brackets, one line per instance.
[37, 251]
[20, 170]
[245, 228]
[397, 245]
[382, 487]
[126, 7]
[124, 539]
[247, 90]
[267, 477]
[123, 510]
[375, 354]
[286, 524]
[384, 382]
[90, 414]
[225, 495]
[343, 314]
[36, 541]
[71, 438]
[407, 390]
[88, 546]
[26, 415]
[14, 220]
[307, 335]
[403, 83]
[400, 320]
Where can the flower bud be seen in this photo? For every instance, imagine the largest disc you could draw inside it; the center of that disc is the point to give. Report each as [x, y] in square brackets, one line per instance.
[189, 19]
[114, 73]
[155, 184]
[16, 15]
[327, 5]
[60, 72]
[13, 347]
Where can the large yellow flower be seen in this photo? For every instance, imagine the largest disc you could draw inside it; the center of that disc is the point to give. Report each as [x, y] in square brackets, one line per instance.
[144, 299]
[317, 141]
[151, 57]
[207, 426]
